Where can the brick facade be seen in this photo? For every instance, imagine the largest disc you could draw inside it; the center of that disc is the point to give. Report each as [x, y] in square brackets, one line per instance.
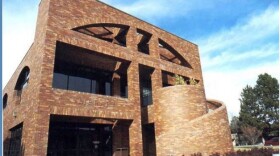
[179, 114]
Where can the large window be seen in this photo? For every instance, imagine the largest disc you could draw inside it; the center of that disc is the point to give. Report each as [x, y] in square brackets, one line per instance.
[79, 139]
[81, 78]
[15, 141]
[82, 70]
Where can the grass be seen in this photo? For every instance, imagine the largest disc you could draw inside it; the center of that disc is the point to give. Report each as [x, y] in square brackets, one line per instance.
[249, 147]
[248, 151]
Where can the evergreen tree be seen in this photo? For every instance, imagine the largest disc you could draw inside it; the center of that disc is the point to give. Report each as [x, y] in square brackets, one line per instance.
[267, 92]
[249, 111]
[260, 106]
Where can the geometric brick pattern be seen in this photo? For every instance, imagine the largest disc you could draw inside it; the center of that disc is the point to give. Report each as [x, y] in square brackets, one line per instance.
[198, 130]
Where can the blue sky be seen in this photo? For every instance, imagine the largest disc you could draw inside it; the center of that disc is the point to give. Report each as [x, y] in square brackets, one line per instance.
[238, 39]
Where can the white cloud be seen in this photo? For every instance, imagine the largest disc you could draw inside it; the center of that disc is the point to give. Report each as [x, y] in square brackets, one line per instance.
[152, 10]
[257, 28]
[243, 43]
[227, 85]
[231, 56]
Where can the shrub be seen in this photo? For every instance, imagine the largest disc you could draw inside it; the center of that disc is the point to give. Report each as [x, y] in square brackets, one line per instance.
[179, 80]
[192, 81]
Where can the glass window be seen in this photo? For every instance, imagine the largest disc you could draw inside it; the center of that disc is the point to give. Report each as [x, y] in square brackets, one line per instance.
[124, 92]
[94, 86]
[146, 94]
[23, 78]
[15, 141]
[76, 139]
[145, 73]
[123, 87]
[107, 88]
[79, 84]
[77, 72]
[60, 80]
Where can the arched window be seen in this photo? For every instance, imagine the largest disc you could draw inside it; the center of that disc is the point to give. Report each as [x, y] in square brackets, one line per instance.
[5, 100]
[23, 79]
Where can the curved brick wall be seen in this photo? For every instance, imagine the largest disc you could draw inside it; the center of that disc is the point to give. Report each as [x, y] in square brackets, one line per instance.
[213, 104]
[178, 104]
[182, 126]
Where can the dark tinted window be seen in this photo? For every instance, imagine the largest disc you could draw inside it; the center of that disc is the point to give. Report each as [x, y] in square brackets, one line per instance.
[79, 139]
[145, 73]
[60, 80]
[124, 91]
[79, 78]
[108, 88]
[23, 79]
[146, 93]
[79, 84]
[15, 141]
[94, 86]
[82, 70]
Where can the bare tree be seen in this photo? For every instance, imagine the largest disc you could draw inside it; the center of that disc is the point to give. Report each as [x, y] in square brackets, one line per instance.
[251, 134]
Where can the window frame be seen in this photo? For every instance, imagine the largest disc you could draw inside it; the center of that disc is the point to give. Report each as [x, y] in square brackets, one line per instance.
[15, 140]
[23, 79]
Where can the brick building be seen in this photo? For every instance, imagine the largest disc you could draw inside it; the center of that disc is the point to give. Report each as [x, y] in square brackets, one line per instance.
[97, 81]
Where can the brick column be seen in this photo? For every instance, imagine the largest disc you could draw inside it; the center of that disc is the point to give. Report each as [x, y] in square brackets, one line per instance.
[131, 39]
[154, 49]
[41, 134]
[156, 82]
[116, 85]
[28, 138]
[135, 129]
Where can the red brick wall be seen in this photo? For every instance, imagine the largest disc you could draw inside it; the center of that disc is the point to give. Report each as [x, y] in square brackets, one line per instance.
[56, 18]
[213, 104]
[26, 109]
[183, 127]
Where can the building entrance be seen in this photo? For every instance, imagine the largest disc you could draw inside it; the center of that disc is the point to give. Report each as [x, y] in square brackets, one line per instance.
[79, 139]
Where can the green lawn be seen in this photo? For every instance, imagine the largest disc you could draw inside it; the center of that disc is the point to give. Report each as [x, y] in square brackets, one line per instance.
[243, 148]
